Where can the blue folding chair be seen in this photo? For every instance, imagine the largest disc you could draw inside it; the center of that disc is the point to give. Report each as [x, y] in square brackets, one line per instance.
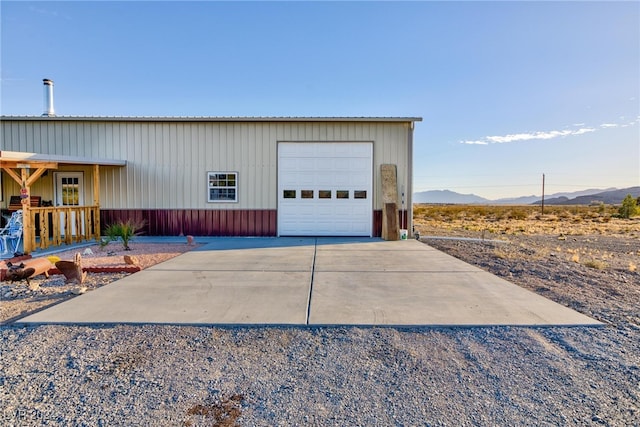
[11, 234]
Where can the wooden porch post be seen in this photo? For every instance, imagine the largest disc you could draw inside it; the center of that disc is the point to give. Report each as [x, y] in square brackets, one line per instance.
[27, 230]
[26, 180]
[96, 200]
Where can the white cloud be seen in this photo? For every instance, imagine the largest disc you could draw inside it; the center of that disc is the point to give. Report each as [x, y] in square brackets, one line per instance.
[475, 142]
[582, 131]
[529, 136]
[543, 135]
[631, 123]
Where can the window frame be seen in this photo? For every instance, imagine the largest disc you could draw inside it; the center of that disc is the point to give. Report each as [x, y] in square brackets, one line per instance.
[223, 187]
[358, 194]
[322, 194]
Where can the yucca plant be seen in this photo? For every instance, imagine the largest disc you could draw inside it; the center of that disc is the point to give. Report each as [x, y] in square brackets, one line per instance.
[124, 230]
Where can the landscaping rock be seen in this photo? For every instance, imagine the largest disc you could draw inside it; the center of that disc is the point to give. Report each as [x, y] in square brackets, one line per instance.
[131, 260]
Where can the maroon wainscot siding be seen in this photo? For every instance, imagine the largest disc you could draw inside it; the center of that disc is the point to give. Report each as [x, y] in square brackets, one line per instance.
[207, 222]
[196, 222]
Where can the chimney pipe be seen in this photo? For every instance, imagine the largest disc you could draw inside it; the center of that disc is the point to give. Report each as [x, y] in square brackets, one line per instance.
[48, 98]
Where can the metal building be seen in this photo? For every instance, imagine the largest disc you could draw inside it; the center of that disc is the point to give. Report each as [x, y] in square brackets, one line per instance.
[231, 176]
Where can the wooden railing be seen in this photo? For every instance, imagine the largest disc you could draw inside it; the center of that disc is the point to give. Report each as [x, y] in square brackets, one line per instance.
[53, 226]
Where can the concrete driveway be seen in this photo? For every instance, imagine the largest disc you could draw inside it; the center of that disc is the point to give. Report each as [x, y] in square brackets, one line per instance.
[313, 281]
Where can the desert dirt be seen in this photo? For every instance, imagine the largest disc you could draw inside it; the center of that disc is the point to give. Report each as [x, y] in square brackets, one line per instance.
[265, 376]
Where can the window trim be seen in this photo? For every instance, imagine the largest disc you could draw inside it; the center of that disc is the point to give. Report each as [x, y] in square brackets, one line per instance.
[210, 187]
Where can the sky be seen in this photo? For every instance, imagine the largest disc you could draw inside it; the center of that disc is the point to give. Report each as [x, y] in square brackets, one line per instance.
[507, 90]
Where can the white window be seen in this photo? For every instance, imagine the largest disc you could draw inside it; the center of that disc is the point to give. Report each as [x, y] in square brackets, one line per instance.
[223, 186]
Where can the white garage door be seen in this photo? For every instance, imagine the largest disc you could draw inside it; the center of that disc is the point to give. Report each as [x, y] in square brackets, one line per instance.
[325, 189]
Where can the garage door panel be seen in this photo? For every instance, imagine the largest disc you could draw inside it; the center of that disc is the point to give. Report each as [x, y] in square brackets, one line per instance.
[304, 179]
[359, 165]
[306, 164]
[340, 165]
[296, 150]
[359, 183]
[342, 211]
[325, 181]
[342, 180]
[361, 150]
[324, 209]
[343, 150]
[325, 150]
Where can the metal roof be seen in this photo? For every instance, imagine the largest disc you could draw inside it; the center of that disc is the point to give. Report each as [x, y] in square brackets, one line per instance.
[213, 119]
[23, 157]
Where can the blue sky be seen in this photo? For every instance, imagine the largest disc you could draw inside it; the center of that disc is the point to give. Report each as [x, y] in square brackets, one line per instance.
[508, 90]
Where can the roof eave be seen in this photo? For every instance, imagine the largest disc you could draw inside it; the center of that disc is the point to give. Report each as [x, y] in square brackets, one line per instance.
[33, 158]
[213, 119]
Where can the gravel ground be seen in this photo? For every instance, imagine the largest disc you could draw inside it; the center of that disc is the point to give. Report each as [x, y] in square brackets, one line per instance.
[210, 376]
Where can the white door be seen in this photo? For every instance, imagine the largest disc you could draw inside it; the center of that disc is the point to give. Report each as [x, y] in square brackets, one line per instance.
[69, 192]
[325, 189]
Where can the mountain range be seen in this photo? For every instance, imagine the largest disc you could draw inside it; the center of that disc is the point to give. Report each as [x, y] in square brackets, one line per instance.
[584, 197]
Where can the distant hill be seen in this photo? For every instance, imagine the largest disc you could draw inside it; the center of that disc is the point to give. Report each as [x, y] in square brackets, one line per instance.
[574, 194]
[524, 200]
[448, 197]
[609, 197]
[583, 197]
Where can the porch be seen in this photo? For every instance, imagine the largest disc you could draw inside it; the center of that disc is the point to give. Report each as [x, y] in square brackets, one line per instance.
[70, 220]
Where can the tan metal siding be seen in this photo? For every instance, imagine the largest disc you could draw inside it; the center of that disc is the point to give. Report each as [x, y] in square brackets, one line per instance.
[167, 161]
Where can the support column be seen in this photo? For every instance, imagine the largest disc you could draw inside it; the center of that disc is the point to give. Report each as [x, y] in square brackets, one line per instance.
[96, 201]
[27, 228]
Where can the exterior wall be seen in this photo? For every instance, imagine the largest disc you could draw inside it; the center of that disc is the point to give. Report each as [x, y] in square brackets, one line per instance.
[168, 161]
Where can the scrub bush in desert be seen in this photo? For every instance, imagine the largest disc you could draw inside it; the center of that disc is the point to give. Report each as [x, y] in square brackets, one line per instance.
[629, 207]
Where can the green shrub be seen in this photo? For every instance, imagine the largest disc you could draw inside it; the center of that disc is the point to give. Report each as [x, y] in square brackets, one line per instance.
[629, 207]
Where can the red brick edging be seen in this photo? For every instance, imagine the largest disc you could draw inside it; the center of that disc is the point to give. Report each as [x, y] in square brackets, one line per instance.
[127, 269]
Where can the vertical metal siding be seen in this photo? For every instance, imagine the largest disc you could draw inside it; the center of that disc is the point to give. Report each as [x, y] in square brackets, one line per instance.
[167, 161]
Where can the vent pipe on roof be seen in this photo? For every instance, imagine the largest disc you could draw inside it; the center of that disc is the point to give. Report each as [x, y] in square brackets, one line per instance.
[48, 98]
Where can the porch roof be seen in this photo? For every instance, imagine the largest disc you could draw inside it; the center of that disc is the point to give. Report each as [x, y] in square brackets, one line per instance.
[19, 157]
